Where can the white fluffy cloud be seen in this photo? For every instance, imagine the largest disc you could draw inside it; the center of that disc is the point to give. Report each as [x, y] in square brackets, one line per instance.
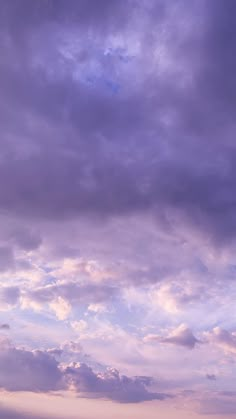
[79, 326]
[61, 308]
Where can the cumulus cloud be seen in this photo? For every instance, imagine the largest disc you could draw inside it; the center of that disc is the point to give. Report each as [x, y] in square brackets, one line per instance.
[111, 385]
[42, 372]
[181, 336]
[97, 308]
[174, 295]
[39, 369]
[79, 326]
[61, 307]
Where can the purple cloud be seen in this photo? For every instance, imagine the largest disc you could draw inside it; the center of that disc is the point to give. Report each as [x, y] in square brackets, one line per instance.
[84, 158]
[111, 385]
[6, 258]
[222, 338]
[4, 326]
[181, 336]
[25, 239]
[39, 369]
[6, 413]
[211, 377]
[43, 373]
[9, 296]
[117, 194]
[73, 292]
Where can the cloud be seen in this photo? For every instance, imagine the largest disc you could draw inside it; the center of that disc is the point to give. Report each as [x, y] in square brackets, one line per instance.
[6, 413]
[43, 373]
[211, 377]
[95, 94]
[4, 326]
[181, 336]
[112, 112]
[79, 326]
[223, 339]
[25, 239]
[9, 297]
[97, 308]
[218, 404]
[39, 369]
[174, 295]
[63, 295]
[7, 260]
[61, 308]
[111, 385]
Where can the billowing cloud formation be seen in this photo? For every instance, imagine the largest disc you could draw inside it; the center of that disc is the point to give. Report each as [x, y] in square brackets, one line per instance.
[111, 385]
[39, 369]
[43, 373]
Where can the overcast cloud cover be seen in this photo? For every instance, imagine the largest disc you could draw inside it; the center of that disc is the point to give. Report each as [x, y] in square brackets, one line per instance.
[117, 208]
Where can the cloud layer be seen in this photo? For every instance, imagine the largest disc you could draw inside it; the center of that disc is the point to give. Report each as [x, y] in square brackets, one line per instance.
[117, 203]
[83, 108]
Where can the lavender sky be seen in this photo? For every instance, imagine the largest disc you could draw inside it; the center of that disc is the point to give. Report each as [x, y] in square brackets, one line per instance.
[117, 209]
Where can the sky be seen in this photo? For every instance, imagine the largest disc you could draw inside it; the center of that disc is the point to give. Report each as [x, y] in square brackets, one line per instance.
[117, 209]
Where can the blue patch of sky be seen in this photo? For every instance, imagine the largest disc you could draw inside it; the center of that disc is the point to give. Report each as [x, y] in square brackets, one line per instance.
[119, 53]
[38, 329]
[101, 82]
[103, 73]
